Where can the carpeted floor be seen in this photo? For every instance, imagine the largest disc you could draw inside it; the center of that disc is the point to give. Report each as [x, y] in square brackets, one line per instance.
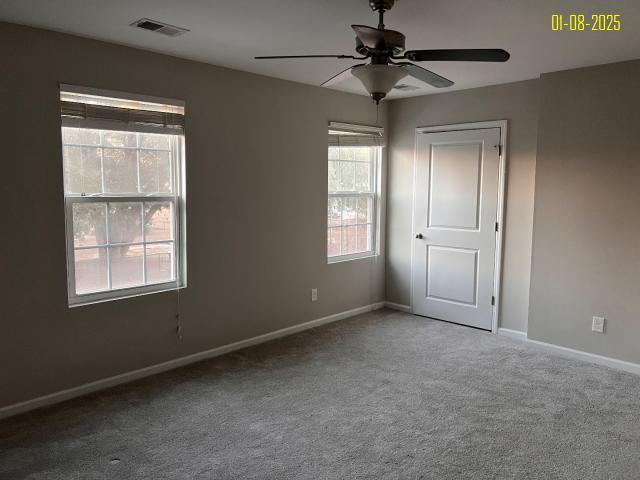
[381, 396]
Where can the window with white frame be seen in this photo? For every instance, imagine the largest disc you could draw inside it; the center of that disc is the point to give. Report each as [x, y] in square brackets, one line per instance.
[352, 213]
[124, 194]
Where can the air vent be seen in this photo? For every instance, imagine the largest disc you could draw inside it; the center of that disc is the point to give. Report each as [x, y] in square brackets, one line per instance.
[406, 88]
[159, 27]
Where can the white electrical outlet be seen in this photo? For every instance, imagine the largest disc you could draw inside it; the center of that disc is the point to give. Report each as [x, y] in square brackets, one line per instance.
[598, 325]
[314, 294]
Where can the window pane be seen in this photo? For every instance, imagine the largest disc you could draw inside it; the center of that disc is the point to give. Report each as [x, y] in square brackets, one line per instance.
[364, 239]
[82, 169]
[347, 153]
[347, 176]
[72, 158]
[334, 212]
[363, 178]
[119, 139]
[159, 258]
[334, 153]
[362, 154]
[348, 240]
[89, 224]
[90, 269]
[333, 241]
[127, 266]
[158, 221]
[125, 222]
[364, 210]
[349, 205]
[333, 176]
[155, 171]
[80, 136]
[150, 140]
[120, 171]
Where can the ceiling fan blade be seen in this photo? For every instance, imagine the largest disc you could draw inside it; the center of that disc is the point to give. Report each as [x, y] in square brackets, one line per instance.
[307, 56]
[375, 38]
[425, 75]
[339, 77]
[462, 55]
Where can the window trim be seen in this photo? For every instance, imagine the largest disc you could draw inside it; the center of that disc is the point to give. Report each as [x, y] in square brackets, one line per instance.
[178, 198]
[375, 214]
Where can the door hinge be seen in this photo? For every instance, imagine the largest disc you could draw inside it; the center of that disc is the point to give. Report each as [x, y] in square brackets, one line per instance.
[497, 227]
[499, 147]
[493, 300]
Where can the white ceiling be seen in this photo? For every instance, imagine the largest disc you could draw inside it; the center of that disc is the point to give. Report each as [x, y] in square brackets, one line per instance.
[231, 32]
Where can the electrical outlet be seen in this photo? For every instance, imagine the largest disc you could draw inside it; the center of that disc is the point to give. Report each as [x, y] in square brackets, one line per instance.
[314, 294]
[598, 325]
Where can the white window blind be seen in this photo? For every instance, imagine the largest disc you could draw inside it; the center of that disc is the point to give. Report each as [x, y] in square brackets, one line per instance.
[80, 109]
[345, 135]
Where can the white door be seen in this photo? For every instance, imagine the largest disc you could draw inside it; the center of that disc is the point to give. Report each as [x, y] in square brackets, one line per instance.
[455, 211]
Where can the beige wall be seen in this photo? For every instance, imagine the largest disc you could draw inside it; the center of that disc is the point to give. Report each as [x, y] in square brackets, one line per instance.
[515, 102]
[586, 255]
[256, 180]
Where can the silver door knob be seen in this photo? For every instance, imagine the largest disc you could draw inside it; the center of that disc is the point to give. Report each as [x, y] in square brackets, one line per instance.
[419, 236]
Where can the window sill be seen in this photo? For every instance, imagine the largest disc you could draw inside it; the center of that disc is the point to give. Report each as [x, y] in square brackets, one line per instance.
[92, 299]
[348, 258]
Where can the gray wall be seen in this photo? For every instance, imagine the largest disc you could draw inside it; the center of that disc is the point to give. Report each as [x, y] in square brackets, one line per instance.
[586, 248]
[515, 102]
[256, 180]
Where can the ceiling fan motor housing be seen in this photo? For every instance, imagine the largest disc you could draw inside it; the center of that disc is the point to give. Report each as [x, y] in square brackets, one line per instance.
[378, 5]
[380, 42]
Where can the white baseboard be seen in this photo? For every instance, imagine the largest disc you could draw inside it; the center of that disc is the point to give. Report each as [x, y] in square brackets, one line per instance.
[517, 334]
[589, 357]
[398, 306]
[572, 353]
[80, 390]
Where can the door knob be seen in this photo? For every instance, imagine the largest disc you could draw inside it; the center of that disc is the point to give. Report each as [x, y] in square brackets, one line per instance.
[419, 236]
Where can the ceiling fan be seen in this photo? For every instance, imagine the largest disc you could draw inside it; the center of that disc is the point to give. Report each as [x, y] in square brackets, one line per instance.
[385, 47]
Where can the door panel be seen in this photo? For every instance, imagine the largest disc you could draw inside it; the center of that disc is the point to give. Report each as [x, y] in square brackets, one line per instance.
[452, 274]
[454, 185]
[455, 210]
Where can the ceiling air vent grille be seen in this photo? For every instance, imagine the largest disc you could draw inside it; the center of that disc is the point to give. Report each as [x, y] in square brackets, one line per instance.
[159, 27]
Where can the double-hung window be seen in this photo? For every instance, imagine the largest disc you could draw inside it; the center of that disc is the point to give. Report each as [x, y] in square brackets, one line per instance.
[353, 187]
[123, 163]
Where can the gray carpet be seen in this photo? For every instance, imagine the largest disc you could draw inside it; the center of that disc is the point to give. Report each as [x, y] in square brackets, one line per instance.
[384, 395]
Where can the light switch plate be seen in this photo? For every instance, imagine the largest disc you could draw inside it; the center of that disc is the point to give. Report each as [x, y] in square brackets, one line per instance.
[598, 325]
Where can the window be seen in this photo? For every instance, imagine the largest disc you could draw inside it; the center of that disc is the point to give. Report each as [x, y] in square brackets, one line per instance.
[124, 195]
[352, 221]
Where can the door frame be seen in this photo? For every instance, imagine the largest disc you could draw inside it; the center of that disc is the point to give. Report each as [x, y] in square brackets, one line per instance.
[497, 272]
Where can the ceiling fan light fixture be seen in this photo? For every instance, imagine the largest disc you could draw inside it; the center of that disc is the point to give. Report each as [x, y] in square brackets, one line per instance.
[378, 79]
